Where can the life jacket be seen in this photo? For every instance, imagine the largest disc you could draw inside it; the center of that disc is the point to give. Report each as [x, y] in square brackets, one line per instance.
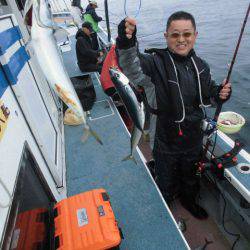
[110, 61]
[89, 18]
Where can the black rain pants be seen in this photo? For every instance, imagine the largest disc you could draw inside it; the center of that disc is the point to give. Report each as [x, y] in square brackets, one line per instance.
[176, 172]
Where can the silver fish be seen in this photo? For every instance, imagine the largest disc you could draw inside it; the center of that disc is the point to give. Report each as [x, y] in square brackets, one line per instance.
[135, 136]
[50, 60]
[127, 95]
[134, 108]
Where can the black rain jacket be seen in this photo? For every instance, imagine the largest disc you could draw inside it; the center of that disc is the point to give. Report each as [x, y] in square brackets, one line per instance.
[85, 50]
[187, 133]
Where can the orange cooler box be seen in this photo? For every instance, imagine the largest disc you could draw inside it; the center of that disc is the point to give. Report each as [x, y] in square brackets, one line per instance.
[86, 221]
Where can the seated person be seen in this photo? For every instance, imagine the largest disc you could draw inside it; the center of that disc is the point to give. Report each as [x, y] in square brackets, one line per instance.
[88, 59]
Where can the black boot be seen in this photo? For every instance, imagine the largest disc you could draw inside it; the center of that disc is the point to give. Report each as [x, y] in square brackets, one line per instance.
[151, 166]
[196, 210]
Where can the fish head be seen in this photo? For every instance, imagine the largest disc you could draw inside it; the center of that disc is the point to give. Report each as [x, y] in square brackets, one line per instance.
[118, 77]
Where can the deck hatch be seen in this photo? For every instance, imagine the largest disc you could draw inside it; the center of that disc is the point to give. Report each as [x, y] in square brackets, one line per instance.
[101, 109]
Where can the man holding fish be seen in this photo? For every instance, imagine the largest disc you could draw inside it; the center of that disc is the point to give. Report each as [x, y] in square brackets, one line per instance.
[178, 86]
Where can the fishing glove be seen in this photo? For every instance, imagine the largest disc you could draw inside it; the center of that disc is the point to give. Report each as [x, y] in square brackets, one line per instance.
[122, 42]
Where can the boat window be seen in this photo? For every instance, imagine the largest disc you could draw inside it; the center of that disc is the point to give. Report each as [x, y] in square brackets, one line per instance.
[3, 3]
[30, 223]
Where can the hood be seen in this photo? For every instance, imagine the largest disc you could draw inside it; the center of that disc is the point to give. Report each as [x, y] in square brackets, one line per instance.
[89, 8]
[80, 33]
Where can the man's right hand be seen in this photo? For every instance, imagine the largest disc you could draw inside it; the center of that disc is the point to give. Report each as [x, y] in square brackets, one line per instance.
[126, 33]
[130, 25]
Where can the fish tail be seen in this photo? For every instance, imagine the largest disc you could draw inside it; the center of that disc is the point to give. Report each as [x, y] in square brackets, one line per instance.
[88, 131]
[130, 157]
[96, 136]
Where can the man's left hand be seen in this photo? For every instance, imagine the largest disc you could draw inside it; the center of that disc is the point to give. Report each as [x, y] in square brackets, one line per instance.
[225, 90]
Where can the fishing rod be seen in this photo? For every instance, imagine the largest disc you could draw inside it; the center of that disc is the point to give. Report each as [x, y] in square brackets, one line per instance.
[219, 107]
[212, 124]
[151, 34]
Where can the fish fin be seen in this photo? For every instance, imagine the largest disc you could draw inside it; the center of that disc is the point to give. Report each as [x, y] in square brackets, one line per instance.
[95, 135]
[130, 157]
[88, 131]
[145, 135]
[85, 134]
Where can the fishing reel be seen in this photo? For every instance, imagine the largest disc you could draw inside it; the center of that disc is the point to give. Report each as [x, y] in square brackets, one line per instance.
[208, 126]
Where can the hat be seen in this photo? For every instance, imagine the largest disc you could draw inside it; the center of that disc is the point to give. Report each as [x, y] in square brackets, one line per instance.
[88, 26]
[93, 2]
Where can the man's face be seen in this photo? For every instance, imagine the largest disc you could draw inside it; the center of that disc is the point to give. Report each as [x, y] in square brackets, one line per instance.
[86, 31]
[181, 36]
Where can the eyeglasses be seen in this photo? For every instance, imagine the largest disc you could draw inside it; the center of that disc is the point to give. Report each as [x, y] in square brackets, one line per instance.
[177, 35]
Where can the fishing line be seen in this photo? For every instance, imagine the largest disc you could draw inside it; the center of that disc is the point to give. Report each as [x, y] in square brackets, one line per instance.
[214, 181]
[112, 13]
[137, 12]
[214, 144]
[223, 224]
[151, 34]
[103, 20]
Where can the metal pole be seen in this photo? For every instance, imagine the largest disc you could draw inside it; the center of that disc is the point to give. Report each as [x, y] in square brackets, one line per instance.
[107, 19]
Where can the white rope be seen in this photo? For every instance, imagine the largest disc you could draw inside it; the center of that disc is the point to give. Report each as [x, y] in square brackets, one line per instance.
[199, 83]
